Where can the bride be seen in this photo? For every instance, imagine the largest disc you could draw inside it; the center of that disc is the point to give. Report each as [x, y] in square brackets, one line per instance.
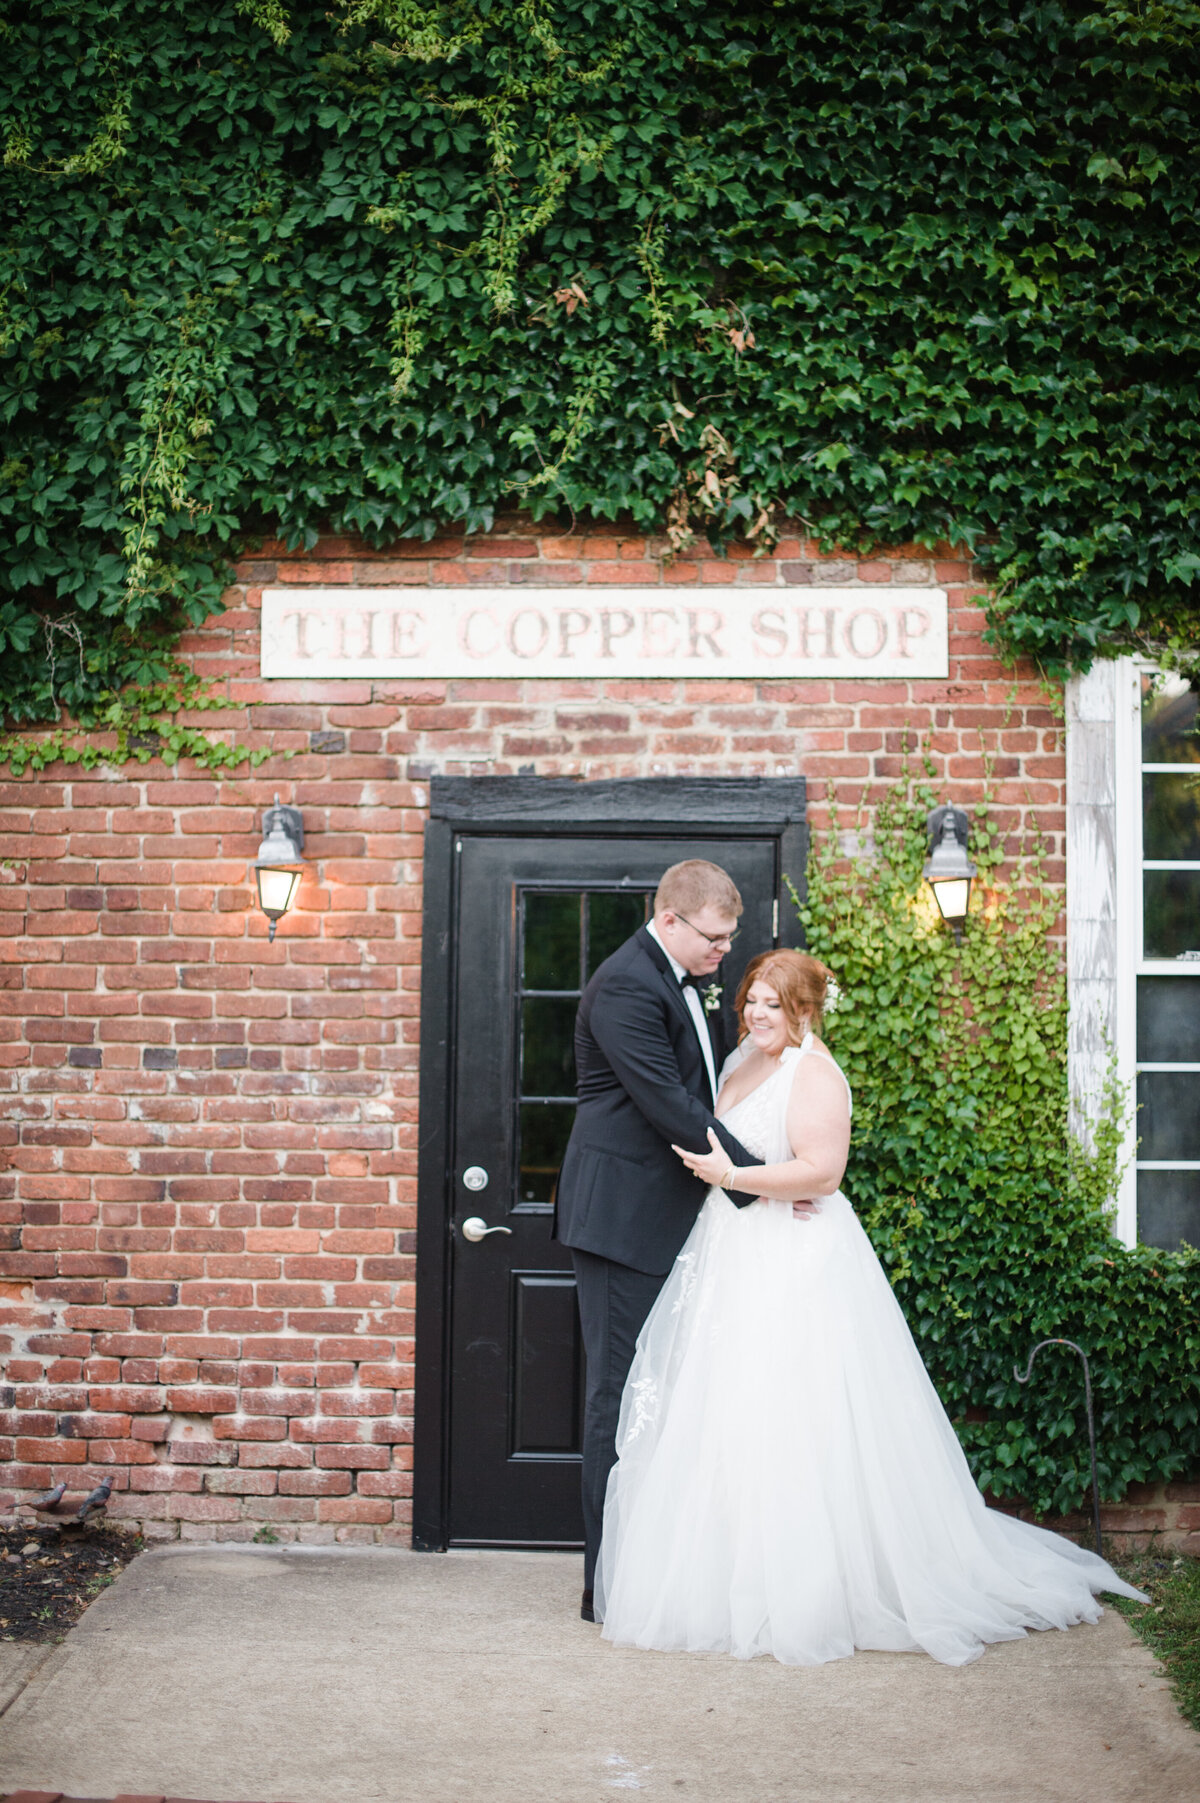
[787, 1479]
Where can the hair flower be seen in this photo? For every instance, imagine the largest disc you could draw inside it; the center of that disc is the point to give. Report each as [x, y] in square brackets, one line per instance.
[833, 998]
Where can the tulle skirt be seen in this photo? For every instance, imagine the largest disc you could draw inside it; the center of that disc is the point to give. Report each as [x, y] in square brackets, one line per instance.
[788, 1481]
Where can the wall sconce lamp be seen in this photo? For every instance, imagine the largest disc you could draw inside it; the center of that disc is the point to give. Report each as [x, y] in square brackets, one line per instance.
[277, 867]
[948, 869]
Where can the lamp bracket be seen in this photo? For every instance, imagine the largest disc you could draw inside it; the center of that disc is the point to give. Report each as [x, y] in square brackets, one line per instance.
[285, 818]
[935, 825]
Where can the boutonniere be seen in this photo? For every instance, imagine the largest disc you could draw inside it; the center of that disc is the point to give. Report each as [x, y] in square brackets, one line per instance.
[712, 998]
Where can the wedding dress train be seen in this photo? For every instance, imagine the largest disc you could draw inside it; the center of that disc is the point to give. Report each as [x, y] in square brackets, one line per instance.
[787, 1479]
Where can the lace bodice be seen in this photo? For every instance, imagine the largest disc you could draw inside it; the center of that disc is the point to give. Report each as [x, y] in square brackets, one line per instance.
[759, 1120]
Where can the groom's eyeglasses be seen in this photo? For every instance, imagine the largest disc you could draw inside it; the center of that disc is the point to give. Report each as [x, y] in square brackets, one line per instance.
[713, 938]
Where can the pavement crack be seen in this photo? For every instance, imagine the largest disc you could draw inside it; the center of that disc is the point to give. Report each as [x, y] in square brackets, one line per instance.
[21, 1683]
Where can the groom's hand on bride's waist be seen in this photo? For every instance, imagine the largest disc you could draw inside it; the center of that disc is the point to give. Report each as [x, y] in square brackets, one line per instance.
[711, 1166]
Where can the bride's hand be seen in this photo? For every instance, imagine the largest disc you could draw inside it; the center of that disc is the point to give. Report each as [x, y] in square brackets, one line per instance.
[710, 1167]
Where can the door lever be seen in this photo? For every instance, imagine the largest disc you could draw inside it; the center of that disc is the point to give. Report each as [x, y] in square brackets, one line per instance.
[476, 1229]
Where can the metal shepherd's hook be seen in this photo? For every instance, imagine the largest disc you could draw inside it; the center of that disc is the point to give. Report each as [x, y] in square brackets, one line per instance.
[1091, 1422]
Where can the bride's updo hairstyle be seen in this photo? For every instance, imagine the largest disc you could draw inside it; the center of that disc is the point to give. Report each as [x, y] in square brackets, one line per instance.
[800, 983]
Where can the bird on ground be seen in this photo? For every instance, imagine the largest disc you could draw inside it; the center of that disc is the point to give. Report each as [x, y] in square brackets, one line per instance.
[51, 1499]
[96, 1501]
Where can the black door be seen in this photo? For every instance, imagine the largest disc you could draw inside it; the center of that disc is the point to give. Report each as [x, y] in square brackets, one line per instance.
[530, 919]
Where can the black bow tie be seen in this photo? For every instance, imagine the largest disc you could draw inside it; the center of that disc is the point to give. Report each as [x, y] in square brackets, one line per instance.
[688, 981]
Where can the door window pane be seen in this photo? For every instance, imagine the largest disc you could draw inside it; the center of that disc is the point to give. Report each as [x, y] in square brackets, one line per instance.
[545, 1130]
[550, 953]
[1171, 913]
[612, 919]
[565, 934]
[1169, 724]
[548, 1046]
[1171, 814]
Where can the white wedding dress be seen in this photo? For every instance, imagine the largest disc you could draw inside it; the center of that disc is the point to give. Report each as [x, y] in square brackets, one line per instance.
[787, 1479]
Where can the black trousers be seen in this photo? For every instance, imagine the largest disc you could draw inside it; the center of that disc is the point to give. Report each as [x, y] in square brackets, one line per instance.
[614, 1301]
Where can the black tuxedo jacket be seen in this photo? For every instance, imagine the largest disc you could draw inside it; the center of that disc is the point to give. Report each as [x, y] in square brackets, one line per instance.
[622, 1192]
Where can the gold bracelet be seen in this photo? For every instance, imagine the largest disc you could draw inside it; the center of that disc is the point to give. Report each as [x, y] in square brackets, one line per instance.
[727, 1179]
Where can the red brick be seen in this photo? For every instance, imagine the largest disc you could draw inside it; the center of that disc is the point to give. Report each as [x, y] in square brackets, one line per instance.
[385, 1483]
[240, 1482]
[353, 1458]
[317, 1482]
[204, 1508]
[633, 572]
[274, 1455]
[165, 1479]
[194, 1400]
[353, 1508]
[51, 1452]
[202, 1452]
[237, 1427]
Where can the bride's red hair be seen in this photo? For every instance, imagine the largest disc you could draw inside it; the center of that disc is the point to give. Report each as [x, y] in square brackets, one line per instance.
[800, 983]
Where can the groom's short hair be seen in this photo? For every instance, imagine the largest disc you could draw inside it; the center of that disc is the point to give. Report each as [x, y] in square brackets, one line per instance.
[696, 884]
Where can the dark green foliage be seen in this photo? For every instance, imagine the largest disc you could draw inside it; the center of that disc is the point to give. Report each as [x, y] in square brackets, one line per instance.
[992, 1223]
[902, 271]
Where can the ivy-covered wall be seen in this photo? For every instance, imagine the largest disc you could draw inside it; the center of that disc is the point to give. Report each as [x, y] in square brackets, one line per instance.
[905, 272]
[994, 1223]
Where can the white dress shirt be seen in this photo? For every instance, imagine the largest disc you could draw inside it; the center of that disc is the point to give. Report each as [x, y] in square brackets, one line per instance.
[691, 996]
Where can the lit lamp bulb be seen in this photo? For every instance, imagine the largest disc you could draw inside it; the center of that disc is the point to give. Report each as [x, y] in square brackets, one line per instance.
[948, 870]
[277, 870]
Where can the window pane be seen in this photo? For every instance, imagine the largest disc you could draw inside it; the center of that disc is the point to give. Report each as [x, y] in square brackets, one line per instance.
[1171, 913]
[1168, 1020]
[1171, 815]
[1168, 1117]
[551, 950]
[548, 1046]
[1169, 1208]
[611, 921]
[1169, 726]
[545, 1129]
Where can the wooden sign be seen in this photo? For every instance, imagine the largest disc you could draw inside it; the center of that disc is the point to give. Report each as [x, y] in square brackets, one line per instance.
[605, 632]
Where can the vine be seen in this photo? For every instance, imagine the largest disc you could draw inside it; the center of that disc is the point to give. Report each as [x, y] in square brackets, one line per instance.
[163, 459]
[106, 146]
[133, 727]
[912, 274]
[993, 1223]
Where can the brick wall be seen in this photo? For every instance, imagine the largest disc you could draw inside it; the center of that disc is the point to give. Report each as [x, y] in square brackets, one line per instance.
[210, 1200]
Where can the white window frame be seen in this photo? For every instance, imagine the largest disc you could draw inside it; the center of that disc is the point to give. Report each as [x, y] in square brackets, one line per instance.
[1132, 964]
[1127, 844]
[1104, 906]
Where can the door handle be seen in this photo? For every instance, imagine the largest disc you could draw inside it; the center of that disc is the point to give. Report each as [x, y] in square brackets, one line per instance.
[476, 1229]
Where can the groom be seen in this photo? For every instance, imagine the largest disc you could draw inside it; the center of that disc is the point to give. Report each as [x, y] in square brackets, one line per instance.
[647, 1057]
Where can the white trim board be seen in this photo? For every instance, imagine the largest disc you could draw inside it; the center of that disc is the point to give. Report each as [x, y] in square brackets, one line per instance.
[1103, 900]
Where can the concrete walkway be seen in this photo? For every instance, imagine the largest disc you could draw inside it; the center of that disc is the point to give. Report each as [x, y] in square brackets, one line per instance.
[321, 1676]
